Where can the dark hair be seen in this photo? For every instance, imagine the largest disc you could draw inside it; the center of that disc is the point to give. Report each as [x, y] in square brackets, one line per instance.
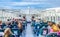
[49, 21]
[8, 20]
[53, 22]
[23, 16]
[33, 17]
[39, 19]
[58, 25]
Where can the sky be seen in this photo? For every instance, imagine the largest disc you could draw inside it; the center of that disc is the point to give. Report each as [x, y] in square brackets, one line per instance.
[19, 4]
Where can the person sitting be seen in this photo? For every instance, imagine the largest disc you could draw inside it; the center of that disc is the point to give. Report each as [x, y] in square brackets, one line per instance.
[19, 25]
[53, 26]
[24, 23]
[20, 28]
[37, 27]
[32, 18]
[7, 32]
[45, 24]
[32, 21]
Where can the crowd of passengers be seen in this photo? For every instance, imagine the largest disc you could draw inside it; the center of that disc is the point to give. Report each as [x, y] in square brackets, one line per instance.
[10, 24]
[38, 25]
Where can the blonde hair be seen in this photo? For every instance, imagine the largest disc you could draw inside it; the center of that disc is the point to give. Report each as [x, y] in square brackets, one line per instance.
[7, 32]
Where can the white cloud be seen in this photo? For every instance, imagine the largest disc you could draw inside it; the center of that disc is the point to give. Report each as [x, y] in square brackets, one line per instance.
[6, 7]
[5, 0]
[26, 3]
[40, 3]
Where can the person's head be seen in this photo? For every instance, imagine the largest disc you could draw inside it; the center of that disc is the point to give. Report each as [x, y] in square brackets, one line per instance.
[19, 24]
[50, 23]
[23, 17]
[33, 17]
[8, 19]
[7, 32]
[37, 20]
[58, 25]
[44, 20]
[8, 23]
[16, 19]
[13, 19]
